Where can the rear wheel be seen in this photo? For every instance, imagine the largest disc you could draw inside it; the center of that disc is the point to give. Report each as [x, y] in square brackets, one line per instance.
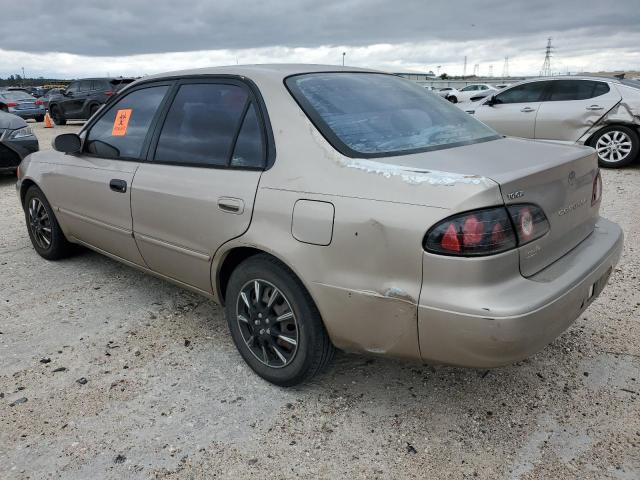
[452, 99]
[57, 116]
[93, 109]
[275, 323]
[44, 231]
[616, 146]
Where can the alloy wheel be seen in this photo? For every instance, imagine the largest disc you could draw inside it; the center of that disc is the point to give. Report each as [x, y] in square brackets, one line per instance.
[40, 223]
[267, 323]
[614, 146]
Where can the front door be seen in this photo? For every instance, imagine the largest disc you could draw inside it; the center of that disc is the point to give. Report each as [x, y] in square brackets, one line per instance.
[572, 107]
[514, 111]
[94, 198]
[198, 189]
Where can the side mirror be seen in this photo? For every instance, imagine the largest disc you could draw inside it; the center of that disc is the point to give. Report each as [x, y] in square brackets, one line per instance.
[67, 143]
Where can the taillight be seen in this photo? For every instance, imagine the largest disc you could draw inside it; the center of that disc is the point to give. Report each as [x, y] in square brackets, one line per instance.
[11, 104]
[108, 93]
[39, 102]
[488, 231]
[596, 193]
[482, 232]
[530, 222]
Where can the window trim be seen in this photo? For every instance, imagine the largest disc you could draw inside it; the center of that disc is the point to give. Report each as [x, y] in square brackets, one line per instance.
[335, 142]
[146, 142]
[251, 89]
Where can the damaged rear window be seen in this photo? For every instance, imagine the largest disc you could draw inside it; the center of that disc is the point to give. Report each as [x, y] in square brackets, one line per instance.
[374, 115]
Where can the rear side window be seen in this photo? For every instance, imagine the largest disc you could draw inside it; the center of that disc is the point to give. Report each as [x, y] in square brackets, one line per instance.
[565, 90]
[525, 93]
[376, 115]
[249, 150]
[121, 131]
[201, 125]
[85, 85]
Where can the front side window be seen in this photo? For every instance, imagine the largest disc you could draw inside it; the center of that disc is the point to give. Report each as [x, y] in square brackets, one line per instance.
[470, 88]
[85, 85]
[121, 131]
[369, 114]
[201, 124]
[73, 88]
[525, 93]
[566, 90]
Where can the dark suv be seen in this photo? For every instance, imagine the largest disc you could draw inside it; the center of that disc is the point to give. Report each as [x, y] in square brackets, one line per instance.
[83, 98]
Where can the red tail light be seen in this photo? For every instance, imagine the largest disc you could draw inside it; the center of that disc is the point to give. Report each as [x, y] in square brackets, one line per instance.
[108, 93]
[482, 232]
[39, 102]
[487, 232]
[11, 104]
[596, 194]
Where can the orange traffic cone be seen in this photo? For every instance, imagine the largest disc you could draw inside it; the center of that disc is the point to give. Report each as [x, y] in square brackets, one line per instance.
[47, 121]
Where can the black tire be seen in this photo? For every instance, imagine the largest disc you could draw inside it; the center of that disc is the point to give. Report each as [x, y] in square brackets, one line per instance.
[3, 108]
[93, 109]
[39, 118]
[58, 246]
[452, 99]
[623, 153]
[57, 116]
[314, 349]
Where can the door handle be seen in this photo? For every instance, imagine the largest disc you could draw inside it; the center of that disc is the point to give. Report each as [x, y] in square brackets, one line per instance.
[527, 109]
[595, 107]
[231, 205]
[117, 185]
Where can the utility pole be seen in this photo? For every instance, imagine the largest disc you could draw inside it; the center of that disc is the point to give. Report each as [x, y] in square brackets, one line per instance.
[476, 69]
[491, 70]
[23, 74]
[343, 54]
[505, 69]
[439, 70]
[546, 66]
[464, 70]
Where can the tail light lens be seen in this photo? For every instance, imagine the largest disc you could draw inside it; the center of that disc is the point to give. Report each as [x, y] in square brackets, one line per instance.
[11, 104]
[39, 102]
[109, 93]
[596, 194]
[487, 232]
[482, 232]
[530, 222]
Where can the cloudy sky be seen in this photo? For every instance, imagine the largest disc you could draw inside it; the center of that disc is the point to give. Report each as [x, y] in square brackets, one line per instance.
[70, 39]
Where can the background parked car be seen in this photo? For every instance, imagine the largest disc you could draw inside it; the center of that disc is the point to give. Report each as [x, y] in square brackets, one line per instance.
[83, 98]
[475, 92]
[449, 93]
[22, 104]
[16, 141]
[602, 113]
[46, 98]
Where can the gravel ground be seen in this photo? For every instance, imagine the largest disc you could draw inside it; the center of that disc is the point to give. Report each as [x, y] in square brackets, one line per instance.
[108, 373]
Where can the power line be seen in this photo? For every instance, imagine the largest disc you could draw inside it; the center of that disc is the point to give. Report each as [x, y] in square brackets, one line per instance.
[476, 69]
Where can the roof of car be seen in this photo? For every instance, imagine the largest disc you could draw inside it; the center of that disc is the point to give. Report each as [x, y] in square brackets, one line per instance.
[273, 71]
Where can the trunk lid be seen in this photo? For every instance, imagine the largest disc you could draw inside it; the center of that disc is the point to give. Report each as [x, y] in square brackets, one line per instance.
[556, 177]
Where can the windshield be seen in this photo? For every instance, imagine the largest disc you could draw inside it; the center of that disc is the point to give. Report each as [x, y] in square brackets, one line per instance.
[375, 115]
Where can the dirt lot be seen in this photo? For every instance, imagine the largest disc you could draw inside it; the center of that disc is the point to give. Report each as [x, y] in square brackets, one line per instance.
[108, 373]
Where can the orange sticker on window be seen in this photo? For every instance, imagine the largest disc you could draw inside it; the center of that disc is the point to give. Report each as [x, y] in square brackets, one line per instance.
[121, 122]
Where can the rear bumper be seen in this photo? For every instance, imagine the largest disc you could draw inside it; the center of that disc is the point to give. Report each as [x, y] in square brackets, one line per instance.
[28, 113]
[504, 320]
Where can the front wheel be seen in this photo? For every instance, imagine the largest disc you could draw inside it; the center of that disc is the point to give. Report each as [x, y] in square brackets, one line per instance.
[274, 322]
[617, 146]
[44, 231]
[56, 115]
[452, 99]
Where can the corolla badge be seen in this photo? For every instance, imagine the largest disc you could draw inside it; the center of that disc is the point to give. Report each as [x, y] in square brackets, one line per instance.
[514, 195]
[572, 207]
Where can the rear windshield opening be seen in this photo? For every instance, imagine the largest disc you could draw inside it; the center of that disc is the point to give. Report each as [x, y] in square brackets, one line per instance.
[374, 115]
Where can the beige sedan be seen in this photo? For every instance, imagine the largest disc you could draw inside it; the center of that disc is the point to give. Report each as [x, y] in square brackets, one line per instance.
[331, 208]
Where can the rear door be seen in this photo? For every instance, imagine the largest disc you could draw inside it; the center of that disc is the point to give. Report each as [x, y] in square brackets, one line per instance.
[572, 107]
[514, 111]
[67, 101]
[93, 189]
[197, 191]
